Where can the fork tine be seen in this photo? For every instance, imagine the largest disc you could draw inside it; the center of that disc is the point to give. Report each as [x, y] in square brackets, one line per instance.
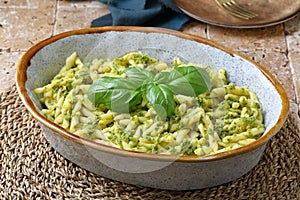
[242, 9]
[238, 12]
[235, 9]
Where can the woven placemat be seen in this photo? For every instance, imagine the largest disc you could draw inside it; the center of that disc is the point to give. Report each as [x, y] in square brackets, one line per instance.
[32, 169]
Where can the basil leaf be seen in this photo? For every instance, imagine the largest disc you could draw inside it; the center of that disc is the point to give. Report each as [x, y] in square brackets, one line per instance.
[162, 78]
[197, 77]
[139, 75]
[187, 80]
[161, 99]
[122, 95]
[125, 101]
[117, 94]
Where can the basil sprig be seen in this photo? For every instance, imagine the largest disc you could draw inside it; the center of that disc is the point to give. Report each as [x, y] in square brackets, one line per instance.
[123, 94]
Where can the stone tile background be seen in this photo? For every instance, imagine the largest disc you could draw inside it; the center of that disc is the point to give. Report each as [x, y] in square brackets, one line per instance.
[25, 22]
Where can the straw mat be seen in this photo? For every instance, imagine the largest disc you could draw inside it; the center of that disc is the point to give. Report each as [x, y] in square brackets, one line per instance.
[31, 169]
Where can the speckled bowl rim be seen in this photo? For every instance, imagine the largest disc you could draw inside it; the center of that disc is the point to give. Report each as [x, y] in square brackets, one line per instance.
[21, 78]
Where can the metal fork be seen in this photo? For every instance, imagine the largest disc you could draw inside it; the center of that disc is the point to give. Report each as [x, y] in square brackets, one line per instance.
[235, 9]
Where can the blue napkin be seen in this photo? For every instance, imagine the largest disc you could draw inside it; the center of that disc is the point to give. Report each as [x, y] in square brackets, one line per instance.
[155, 13]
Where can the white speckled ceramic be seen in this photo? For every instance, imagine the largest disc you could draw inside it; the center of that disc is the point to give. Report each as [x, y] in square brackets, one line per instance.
[43, 61]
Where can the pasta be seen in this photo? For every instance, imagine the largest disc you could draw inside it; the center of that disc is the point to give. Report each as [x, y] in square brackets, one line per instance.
[225, 118]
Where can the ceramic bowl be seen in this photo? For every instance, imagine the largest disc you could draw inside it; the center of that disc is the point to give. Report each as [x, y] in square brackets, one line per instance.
[43, 61]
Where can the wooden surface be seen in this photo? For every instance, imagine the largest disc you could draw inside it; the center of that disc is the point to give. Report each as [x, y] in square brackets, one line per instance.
[24, 23]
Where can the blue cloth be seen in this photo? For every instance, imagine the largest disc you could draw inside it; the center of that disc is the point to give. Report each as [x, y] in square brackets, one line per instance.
[155, 13]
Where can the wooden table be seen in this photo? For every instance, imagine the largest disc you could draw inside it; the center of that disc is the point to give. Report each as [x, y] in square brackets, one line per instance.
[24, 23]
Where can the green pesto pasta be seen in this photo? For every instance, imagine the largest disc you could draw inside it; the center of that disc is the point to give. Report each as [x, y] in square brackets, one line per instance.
[222, 119]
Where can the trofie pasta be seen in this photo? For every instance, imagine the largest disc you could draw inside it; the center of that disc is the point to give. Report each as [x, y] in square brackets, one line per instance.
[224, 118]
